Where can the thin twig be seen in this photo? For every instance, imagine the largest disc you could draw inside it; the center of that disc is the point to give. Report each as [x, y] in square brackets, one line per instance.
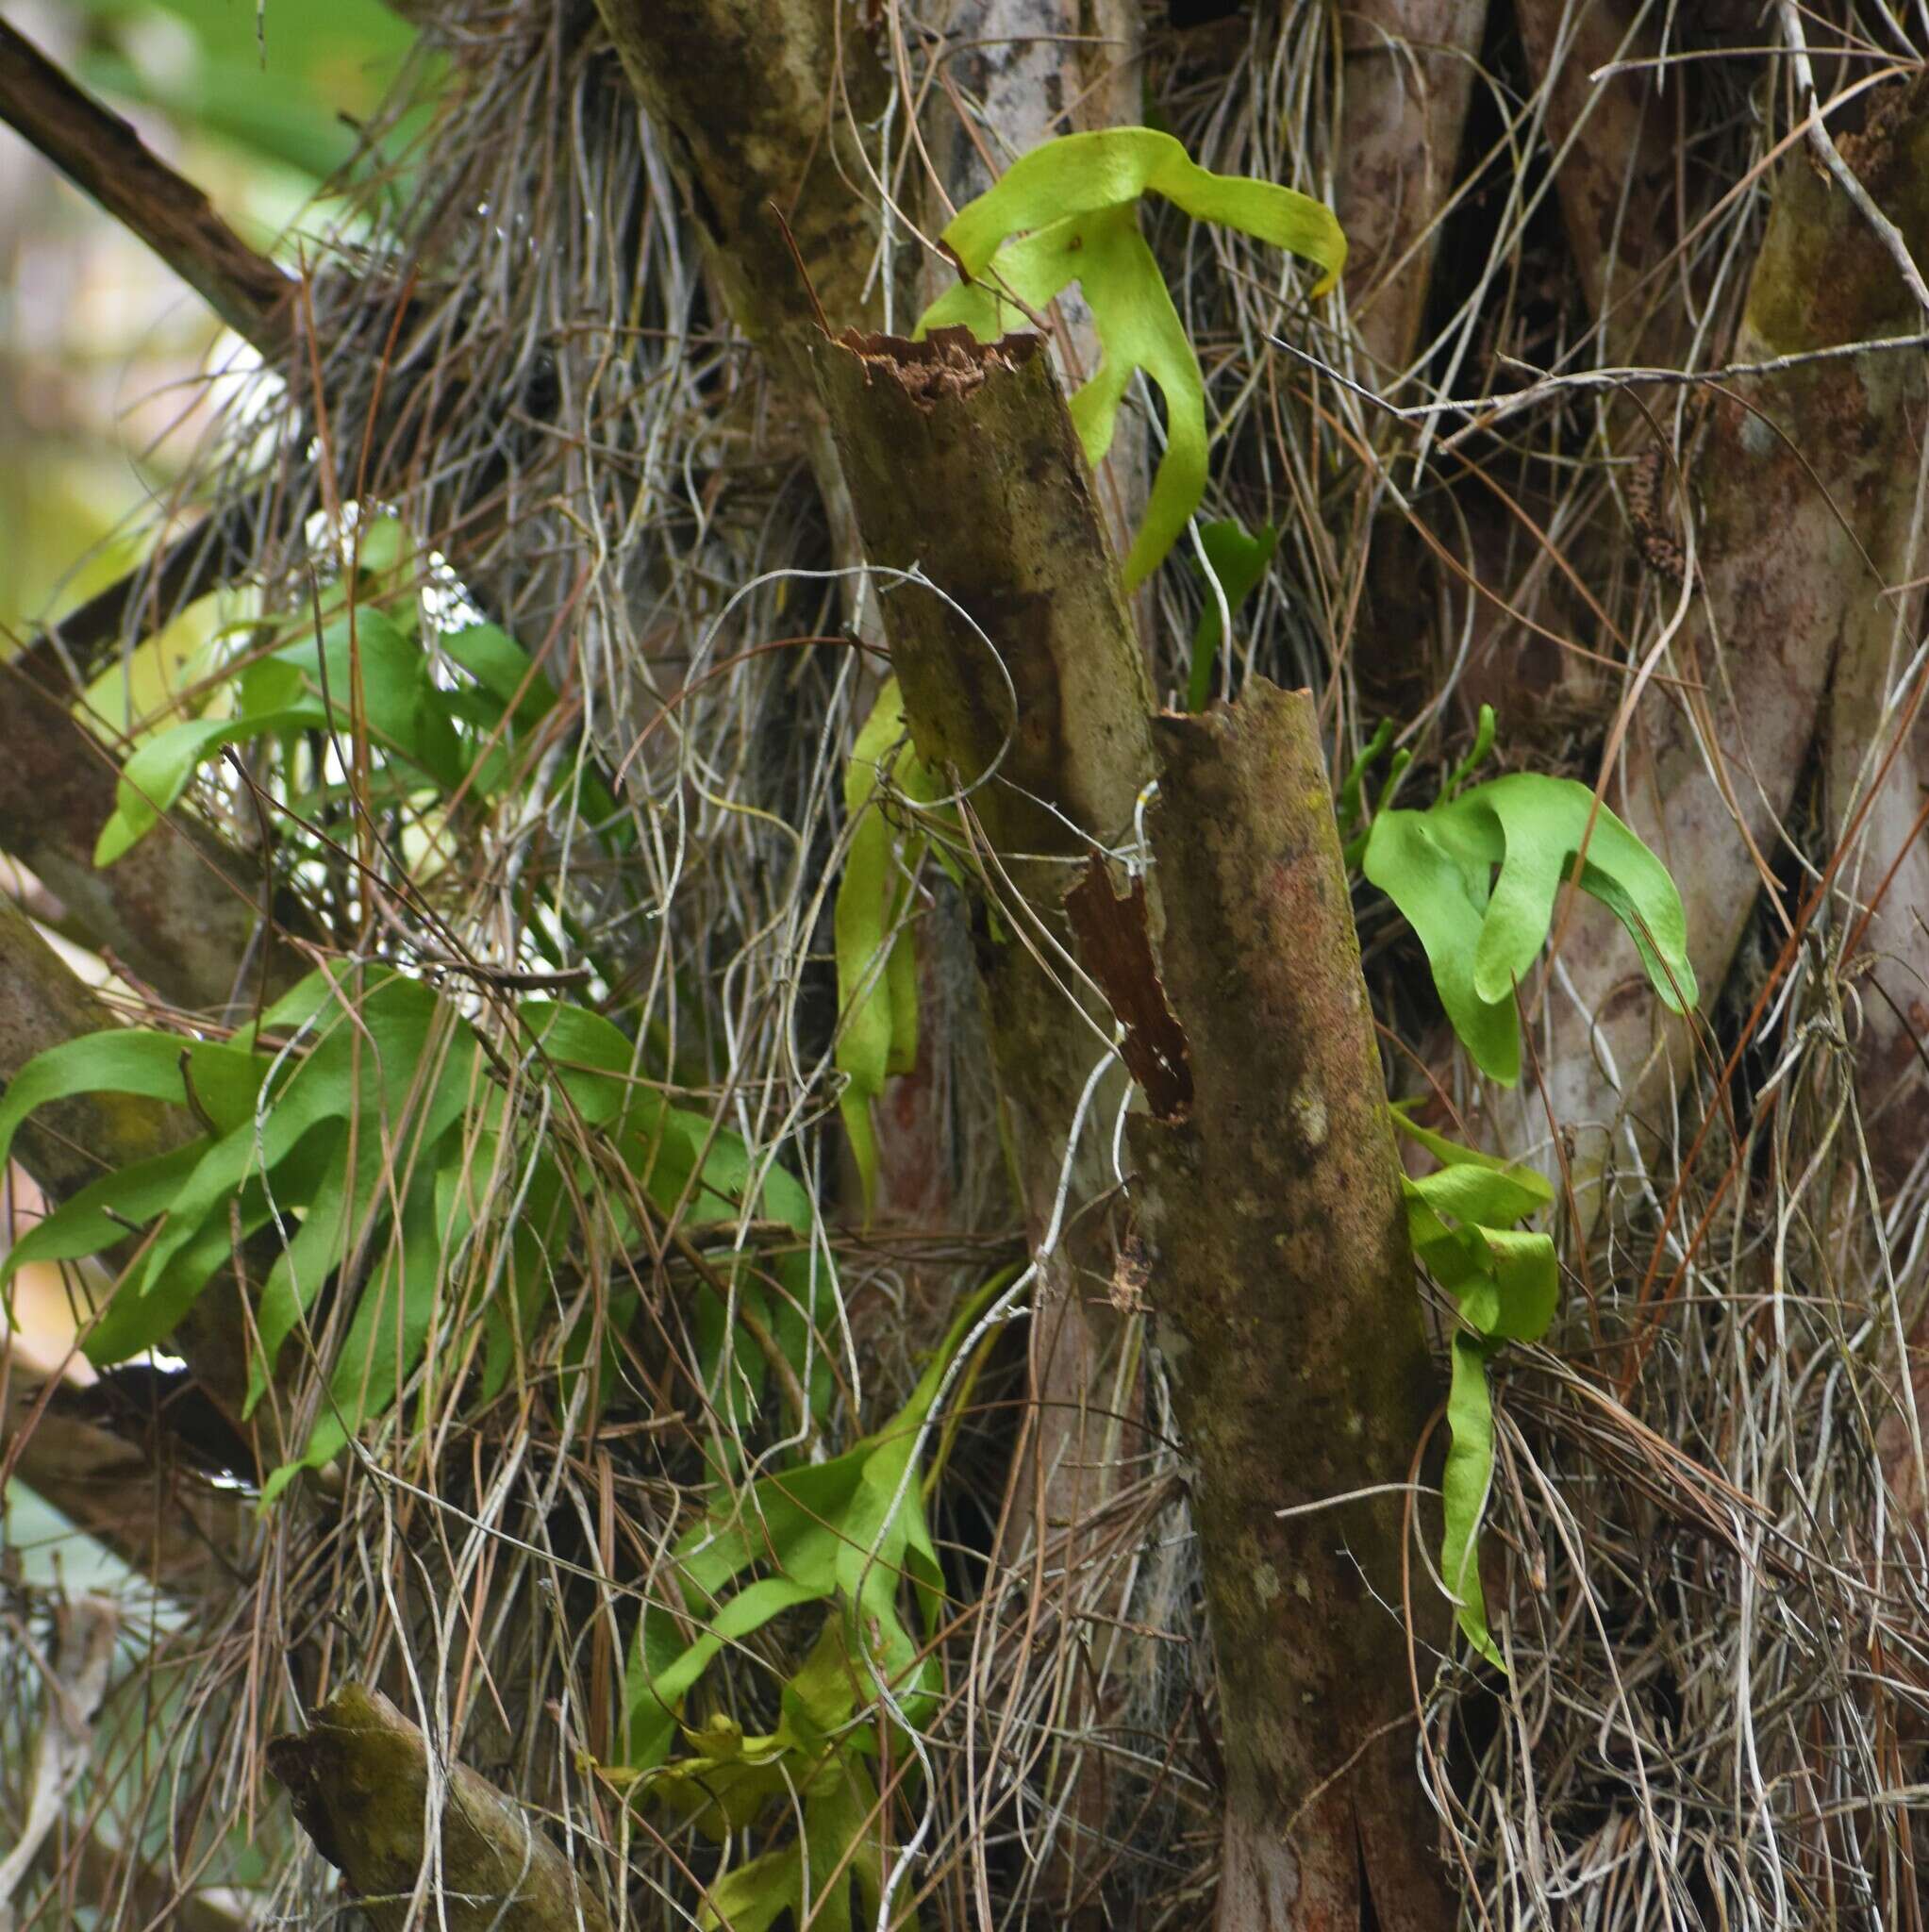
[1830, 154]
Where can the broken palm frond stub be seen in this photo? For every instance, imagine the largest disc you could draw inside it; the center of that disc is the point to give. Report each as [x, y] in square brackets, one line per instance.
[1699, 1563]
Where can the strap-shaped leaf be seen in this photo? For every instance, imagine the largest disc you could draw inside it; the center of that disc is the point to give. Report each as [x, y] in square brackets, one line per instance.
[366, 1065]
[391, 1322]
[853, 1527]
[753, 1896]
[1505, 1284]
[877, 990]
[143, 1312]
[101, 1213]
[1072, 206]
[305, 1263]
[594, 1063]
[365, 669]
[160, 770]
[1464, 1487]
[118, 1059]
[1482, 930]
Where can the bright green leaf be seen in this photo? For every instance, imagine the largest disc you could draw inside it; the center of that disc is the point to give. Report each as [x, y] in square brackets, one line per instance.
[1482, 930]
[1068, 211]
[119, 1060]
[1446, 906]
[877, 990]
[102, 1212]
[1464, 1488]
[753, 1897]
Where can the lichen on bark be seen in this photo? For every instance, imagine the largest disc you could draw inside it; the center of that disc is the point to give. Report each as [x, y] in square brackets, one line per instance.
[1286, 1309]
[360, 1779]
[1021, 678]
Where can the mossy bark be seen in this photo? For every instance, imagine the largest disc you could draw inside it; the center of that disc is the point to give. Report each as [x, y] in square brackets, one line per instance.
[1286, 1309]
[1022, 677]
[757, 103]
[359, 1780]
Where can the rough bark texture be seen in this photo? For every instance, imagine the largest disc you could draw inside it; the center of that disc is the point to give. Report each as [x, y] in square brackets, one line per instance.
[962, 461]
[1286, 1307]
[1409, 73]
[358, 1779]
[179, 910]
[758, 108]
[1805, 480]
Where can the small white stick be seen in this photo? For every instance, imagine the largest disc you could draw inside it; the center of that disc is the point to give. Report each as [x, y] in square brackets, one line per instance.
[76, 1681]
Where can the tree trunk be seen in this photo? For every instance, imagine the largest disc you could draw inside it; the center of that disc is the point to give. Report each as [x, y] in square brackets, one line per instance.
[1287, 1311]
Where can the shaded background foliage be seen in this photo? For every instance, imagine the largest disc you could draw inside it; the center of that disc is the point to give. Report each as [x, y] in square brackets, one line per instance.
[1707, 1578]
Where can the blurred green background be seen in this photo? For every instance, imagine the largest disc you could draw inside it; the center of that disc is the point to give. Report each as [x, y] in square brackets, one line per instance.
[105, 356]
[107, 368]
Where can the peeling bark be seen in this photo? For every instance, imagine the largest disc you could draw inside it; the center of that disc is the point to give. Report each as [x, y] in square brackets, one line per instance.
[1286, 1307]
[179, 910]
[1408, 75]
[360, 1783]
